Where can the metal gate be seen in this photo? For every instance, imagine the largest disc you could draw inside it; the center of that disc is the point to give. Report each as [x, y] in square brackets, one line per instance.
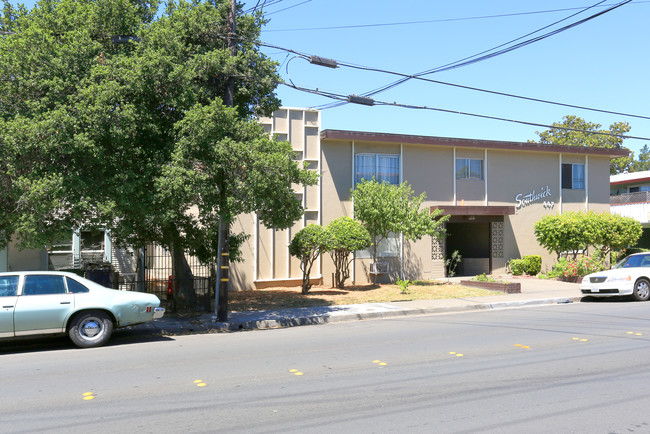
[149, 269]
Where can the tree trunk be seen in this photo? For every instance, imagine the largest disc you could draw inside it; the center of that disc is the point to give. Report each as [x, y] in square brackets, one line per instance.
[183, 289]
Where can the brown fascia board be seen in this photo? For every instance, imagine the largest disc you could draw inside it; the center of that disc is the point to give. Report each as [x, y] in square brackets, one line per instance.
[475, 210]
[466, 143]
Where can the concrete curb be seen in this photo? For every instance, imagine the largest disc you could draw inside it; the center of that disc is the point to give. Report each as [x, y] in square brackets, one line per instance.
[317, 319]
[295, 317]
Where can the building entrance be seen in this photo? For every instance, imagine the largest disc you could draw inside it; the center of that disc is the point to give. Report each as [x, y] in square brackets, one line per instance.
[472, 241]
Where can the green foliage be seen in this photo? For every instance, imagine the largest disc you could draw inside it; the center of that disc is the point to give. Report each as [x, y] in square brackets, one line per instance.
[532, 264]
[573, 232]
[307, 245]
[483, 278]
[579, 267]
[384, 208]
[403, 286]
[557, 136]
[342, 237]
[134, 136]
[452, 262]
[643, 162]
[517, 267]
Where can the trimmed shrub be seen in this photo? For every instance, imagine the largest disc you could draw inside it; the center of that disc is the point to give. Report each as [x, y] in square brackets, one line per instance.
[532, 264]
[517, 266]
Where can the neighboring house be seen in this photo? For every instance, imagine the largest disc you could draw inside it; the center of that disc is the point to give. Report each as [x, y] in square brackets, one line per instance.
[630, 197]
[494, 191]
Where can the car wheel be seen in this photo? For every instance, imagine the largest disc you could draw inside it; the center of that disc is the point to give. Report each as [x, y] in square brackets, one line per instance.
[90, 329]
[641, 290]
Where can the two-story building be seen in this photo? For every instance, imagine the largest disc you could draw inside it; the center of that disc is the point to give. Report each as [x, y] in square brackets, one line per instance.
[494, 192]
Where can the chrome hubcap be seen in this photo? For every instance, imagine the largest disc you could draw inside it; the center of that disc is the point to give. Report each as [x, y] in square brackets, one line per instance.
[642, 289]
[91, 328]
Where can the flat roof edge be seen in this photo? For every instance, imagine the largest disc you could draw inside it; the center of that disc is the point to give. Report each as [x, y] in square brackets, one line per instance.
[466, 143]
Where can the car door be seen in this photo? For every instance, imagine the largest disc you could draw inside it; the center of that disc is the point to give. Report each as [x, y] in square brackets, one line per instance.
[8, 297]
[43, 305]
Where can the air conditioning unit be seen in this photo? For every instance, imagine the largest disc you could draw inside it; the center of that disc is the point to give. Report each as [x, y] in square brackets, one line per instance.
[379, 267]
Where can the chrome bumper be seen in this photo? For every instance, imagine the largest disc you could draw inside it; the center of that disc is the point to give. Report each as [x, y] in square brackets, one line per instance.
[158, 312]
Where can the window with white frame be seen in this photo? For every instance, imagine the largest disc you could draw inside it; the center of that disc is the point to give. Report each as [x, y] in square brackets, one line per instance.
[469, 168]
[381, 167]
[573, 176]
[387, 248]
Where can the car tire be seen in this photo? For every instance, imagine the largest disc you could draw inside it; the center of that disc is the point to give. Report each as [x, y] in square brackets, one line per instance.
[90, 329]
[641, 290]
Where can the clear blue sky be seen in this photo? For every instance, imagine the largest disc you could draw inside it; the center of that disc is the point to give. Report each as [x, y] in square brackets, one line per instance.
[602, 63]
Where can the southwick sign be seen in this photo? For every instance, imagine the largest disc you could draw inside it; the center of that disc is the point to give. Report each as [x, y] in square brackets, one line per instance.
[522, 200]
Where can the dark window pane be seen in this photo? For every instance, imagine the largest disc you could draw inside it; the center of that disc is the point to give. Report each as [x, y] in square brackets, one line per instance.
[75, 287]
[567, 172]
[43, 285]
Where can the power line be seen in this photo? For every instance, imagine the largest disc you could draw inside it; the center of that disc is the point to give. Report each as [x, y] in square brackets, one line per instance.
[288, 7]
[510, 95]
[352, 98]
[404, 23]
[486, 53]
[429, 80]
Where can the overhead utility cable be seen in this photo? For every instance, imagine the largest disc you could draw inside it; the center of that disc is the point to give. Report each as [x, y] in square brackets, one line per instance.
[369, 101]
[443, 20]
[334, 63]
[490, 53]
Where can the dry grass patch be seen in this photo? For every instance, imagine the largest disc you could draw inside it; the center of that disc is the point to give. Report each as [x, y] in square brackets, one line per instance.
[320, 295]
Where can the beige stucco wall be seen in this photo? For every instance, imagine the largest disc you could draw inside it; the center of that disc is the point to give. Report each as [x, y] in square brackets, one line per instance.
[428, 169]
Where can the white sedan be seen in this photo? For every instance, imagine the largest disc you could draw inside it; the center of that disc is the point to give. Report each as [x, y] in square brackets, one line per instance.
[47, 302]
[631, 276]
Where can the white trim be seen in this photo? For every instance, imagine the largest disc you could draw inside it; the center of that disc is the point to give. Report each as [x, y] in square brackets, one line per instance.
[485, 176]
[453, 165]
[76, 248]
[401, 235]
[272, 253]
[256, 250]
[108, 247]
[560, 179]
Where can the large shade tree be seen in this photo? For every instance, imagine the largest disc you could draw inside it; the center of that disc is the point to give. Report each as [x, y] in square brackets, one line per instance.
[113, 116]
[575, 131]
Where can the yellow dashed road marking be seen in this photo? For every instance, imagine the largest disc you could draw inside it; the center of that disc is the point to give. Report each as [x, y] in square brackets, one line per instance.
[88, 396]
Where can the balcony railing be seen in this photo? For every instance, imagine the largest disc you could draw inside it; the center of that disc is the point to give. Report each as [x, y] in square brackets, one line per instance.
[629, 198]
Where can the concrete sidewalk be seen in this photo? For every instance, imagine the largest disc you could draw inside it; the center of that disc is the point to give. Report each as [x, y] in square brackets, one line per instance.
[534, 292]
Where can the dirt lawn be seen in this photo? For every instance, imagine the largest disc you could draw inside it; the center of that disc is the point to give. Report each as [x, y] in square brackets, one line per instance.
[324, 295]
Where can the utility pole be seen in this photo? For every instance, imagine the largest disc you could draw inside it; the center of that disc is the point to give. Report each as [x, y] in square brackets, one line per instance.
[223, 248]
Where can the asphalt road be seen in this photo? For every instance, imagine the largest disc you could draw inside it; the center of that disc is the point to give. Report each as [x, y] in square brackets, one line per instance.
[579, 368]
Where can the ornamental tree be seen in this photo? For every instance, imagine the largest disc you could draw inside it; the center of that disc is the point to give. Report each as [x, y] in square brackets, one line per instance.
[343, 236]
[307, 245]
[384, 208]
[573, 232]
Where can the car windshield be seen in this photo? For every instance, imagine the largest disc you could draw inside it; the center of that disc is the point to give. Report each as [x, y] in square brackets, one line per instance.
[634, 261]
